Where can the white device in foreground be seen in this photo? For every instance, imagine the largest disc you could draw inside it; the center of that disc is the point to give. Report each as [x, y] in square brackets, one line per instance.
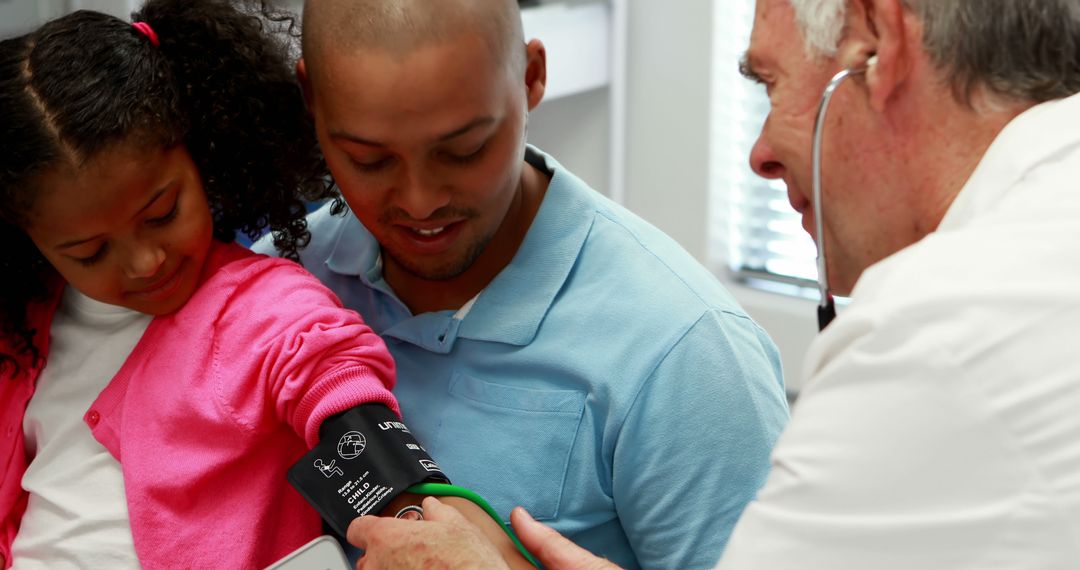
[323, 553]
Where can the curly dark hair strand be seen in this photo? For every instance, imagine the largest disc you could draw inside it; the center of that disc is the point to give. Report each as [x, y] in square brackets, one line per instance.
[221, 82]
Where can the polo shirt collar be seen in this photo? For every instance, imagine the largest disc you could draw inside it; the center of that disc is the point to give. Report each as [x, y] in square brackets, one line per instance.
[510, 309]
[355, 252]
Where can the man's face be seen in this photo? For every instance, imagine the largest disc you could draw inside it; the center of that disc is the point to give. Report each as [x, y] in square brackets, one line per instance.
[860, 211]
[427, 147]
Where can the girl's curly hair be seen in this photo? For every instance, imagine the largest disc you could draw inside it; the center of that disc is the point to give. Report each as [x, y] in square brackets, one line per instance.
[220, 82]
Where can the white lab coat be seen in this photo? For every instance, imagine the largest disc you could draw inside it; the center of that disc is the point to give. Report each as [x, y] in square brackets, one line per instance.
[940, 425]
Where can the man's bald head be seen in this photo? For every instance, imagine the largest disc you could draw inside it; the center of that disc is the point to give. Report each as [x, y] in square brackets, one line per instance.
[399, 26]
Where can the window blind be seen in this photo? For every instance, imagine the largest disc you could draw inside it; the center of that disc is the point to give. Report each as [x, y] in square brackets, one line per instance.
[754, 233]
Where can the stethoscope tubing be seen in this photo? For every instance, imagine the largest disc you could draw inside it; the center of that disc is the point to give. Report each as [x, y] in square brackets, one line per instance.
[826, 305]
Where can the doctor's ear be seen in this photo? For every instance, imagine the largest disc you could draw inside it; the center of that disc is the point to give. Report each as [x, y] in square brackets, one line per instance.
[881, 39]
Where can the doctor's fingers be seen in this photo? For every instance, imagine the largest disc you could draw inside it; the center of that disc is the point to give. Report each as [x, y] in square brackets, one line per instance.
[387, 543]
[438, 511]
[552, 549]
[398, 544]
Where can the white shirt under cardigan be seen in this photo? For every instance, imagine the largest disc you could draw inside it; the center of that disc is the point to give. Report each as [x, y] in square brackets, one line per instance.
[77, 513]
[940, 424]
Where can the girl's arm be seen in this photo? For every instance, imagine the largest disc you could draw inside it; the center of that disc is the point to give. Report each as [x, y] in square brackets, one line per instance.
[315, 356]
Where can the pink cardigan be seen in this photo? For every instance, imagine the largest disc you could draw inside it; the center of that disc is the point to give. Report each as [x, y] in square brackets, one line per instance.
[211, 408]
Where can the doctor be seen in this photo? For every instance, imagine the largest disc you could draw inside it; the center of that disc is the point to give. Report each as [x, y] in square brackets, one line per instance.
[940, 424]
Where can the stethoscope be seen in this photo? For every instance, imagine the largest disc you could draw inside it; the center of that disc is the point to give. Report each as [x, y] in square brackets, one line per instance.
[826, 310]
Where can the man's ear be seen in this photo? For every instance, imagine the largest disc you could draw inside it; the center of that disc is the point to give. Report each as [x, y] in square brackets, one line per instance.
[305, 83]
[535, 72]
[879, 29]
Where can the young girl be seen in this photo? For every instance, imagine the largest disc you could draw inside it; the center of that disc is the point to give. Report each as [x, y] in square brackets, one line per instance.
[157, 380]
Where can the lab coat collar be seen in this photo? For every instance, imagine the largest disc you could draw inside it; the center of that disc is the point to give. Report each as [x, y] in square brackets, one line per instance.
[1033, 137]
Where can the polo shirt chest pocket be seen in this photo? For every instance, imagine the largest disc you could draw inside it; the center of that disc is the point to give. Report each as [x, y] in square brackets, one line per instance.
[508, 443]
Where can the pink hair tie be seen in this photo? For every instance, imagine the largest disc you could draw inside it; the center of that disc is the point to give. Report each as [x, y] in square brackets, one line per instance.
[147, 31]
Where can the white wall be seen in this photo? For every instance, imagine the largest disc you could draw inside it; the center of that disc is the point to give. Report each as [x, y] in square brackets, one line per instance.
[576, 127]
[667, 162]
[21, 16]
[575, 130]
[118, 8]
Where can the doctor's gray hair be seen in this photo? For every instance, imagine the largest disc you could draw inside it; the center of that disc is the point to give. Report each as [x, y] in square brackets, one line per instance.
[1026, 50]
[821, 23]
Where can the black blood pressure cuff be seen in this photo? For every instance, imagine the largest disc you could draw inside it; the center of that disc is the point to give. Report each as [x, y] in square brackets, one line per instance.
[365, 458]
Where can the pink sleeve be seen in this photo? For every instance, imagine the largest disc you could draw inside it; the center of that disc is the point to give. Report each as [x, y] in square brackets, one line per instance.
[10, 529]
[286, 350]
[5, 548]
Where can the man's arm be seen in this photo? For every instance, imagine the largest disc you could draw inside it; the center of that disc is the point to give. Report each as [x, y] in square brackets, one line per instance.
[553, 550]
[694, 448]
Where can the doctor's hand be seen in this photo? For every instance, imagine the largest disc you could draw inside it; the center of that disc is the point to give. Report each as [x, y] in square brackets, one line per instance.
[444, 539]
[552, 549]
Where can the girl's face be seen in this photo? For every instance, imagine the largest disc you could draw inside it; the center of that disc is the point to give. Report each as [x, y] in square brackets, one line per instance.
[130, 227]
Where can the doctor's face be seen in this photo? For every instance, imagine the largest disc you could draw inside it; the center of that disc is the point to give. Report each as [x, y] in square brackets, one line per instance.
[856, 213]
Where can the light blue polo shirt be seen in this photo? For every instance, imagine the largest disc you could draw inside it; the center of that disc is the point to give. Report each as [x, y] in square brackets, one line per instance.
[604, 379]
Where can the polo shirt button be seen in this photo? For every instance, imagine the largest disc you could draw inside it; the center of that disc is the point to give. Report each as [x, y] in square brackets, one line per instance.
[93, 418]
